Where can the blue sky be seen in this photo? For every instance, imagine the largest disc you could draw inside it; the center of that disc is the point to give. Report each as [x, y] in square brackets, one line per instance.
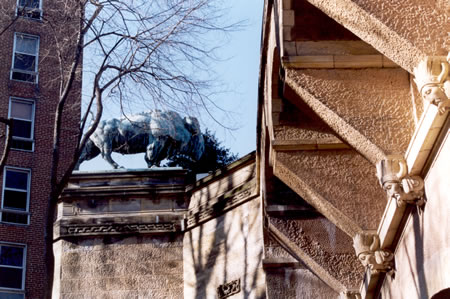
[238, 70]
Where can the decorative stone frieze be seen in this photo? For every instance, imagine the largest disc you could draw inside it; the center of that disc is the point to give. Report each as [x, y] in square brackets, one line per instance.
[117, 228]
[228, 289]
[433, 82]
[392, 173]
[368, 251]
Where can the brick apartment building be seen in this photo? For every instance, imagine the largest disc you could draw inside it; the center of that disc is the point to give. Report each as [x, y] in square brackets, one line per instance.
[29, 88]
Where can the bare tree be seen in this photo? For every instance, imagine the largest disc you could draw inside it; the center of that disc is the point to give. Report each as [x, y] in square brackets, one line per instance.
[136, 49]
[129, 49]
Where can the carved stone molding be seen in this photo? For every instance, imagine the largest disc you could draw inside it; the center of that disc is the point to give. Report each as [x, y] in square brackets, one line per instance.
[368, 251]
[433, 82]
[117, 228]
[228, 289]
[392, 174]
[222, 204]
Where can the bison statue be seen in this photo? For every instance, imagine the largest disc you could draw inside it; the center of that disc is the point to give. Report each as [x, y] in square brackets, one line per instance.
[159, 134]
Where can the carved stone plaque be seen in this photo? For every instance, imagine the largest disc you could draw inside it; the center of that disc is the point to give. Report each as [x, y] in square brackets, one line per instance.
[228, 289]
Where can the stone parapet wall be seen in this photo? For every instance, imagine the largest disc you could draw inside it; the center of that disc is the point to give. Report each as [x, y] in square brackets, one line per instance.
[223, 250]
[131, 234]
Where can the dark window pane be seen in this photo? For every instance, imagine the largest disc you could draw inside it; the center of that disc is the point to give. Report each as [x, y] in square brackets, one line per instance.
[11, 256]
[22, 145]
[4, 295]
[23, 77]
[27, 13]
[21, 110]
[10, 278]
[22, 128]
[14, 218]
[15, 200]
[24, 62]
[16, 179]
[29, 3]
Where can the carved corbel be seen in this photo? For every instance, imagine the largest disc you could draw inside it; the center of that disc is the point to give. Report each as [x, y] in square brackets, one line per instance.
[392, 174]
[368, 251]
[433, 82]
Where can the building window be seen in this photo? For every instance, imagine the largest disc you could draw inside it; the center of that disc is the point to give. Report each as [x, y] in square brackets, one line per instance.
[25, 59]
[29, 9]
[12, 271]
[22, 111]
[15, 199]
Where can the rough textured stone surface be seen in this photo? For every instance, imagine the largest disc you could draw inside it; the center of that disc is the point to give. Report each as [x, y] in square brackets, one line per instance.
[227, 248]
[331, 248]
[133, 267]
[342, 177]
[404, 31]
[297, 283]
[296, 124]
[376, 102]
[422, 257]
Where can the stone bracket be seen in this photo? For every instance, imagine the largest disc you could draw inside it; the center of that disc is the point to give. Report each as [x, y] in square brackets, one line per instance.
[392, 174]
[376, 259]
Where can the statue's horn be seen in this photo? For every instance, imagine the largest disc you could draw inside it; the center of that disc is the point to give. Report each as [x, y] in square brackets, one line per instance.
[375, 243]
[444, 72]
[403, 171]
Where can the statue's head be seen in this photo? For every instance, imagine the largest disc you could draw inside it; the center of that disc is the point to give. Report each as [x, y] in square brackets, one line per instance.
[431, 77]
[197, 142]
[192, 124]
[394, 189]
[365, 244]
[390, 172]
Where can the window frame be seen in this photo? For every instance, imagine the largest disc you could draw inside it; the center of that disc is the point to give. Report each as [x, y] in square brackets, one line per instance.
[24, 267]
[36, 65]
[13, 211]
[18, 7]
[33, 119]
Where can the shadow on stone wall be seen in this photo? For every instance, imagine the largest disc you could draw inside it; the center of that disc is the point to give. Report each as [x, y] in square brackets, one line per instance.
[227, 248]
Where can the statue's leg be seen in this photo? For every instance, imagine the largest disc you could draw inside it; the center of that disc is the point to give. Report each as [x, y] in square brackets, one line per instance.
[156, 151]
[106, 154]
[151, 156]
[90, 151]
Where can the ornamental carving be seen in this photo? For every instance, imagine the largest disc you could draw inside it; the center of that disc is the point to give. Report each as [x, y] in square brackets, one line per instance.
[433, 82]
[96, 229]
[228, 289]
[404, 189]
[368, 251]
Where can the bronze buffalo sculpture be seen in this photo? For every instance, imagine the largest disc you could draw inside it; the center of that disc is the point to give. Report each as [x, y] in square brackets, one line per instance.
[159, 134]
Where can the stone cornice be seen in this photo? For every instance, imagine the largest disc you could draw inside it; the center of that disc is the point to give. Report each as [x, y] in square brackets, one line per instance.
[424, 138]
[308, 144]
[221, 204]
[338, 61]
